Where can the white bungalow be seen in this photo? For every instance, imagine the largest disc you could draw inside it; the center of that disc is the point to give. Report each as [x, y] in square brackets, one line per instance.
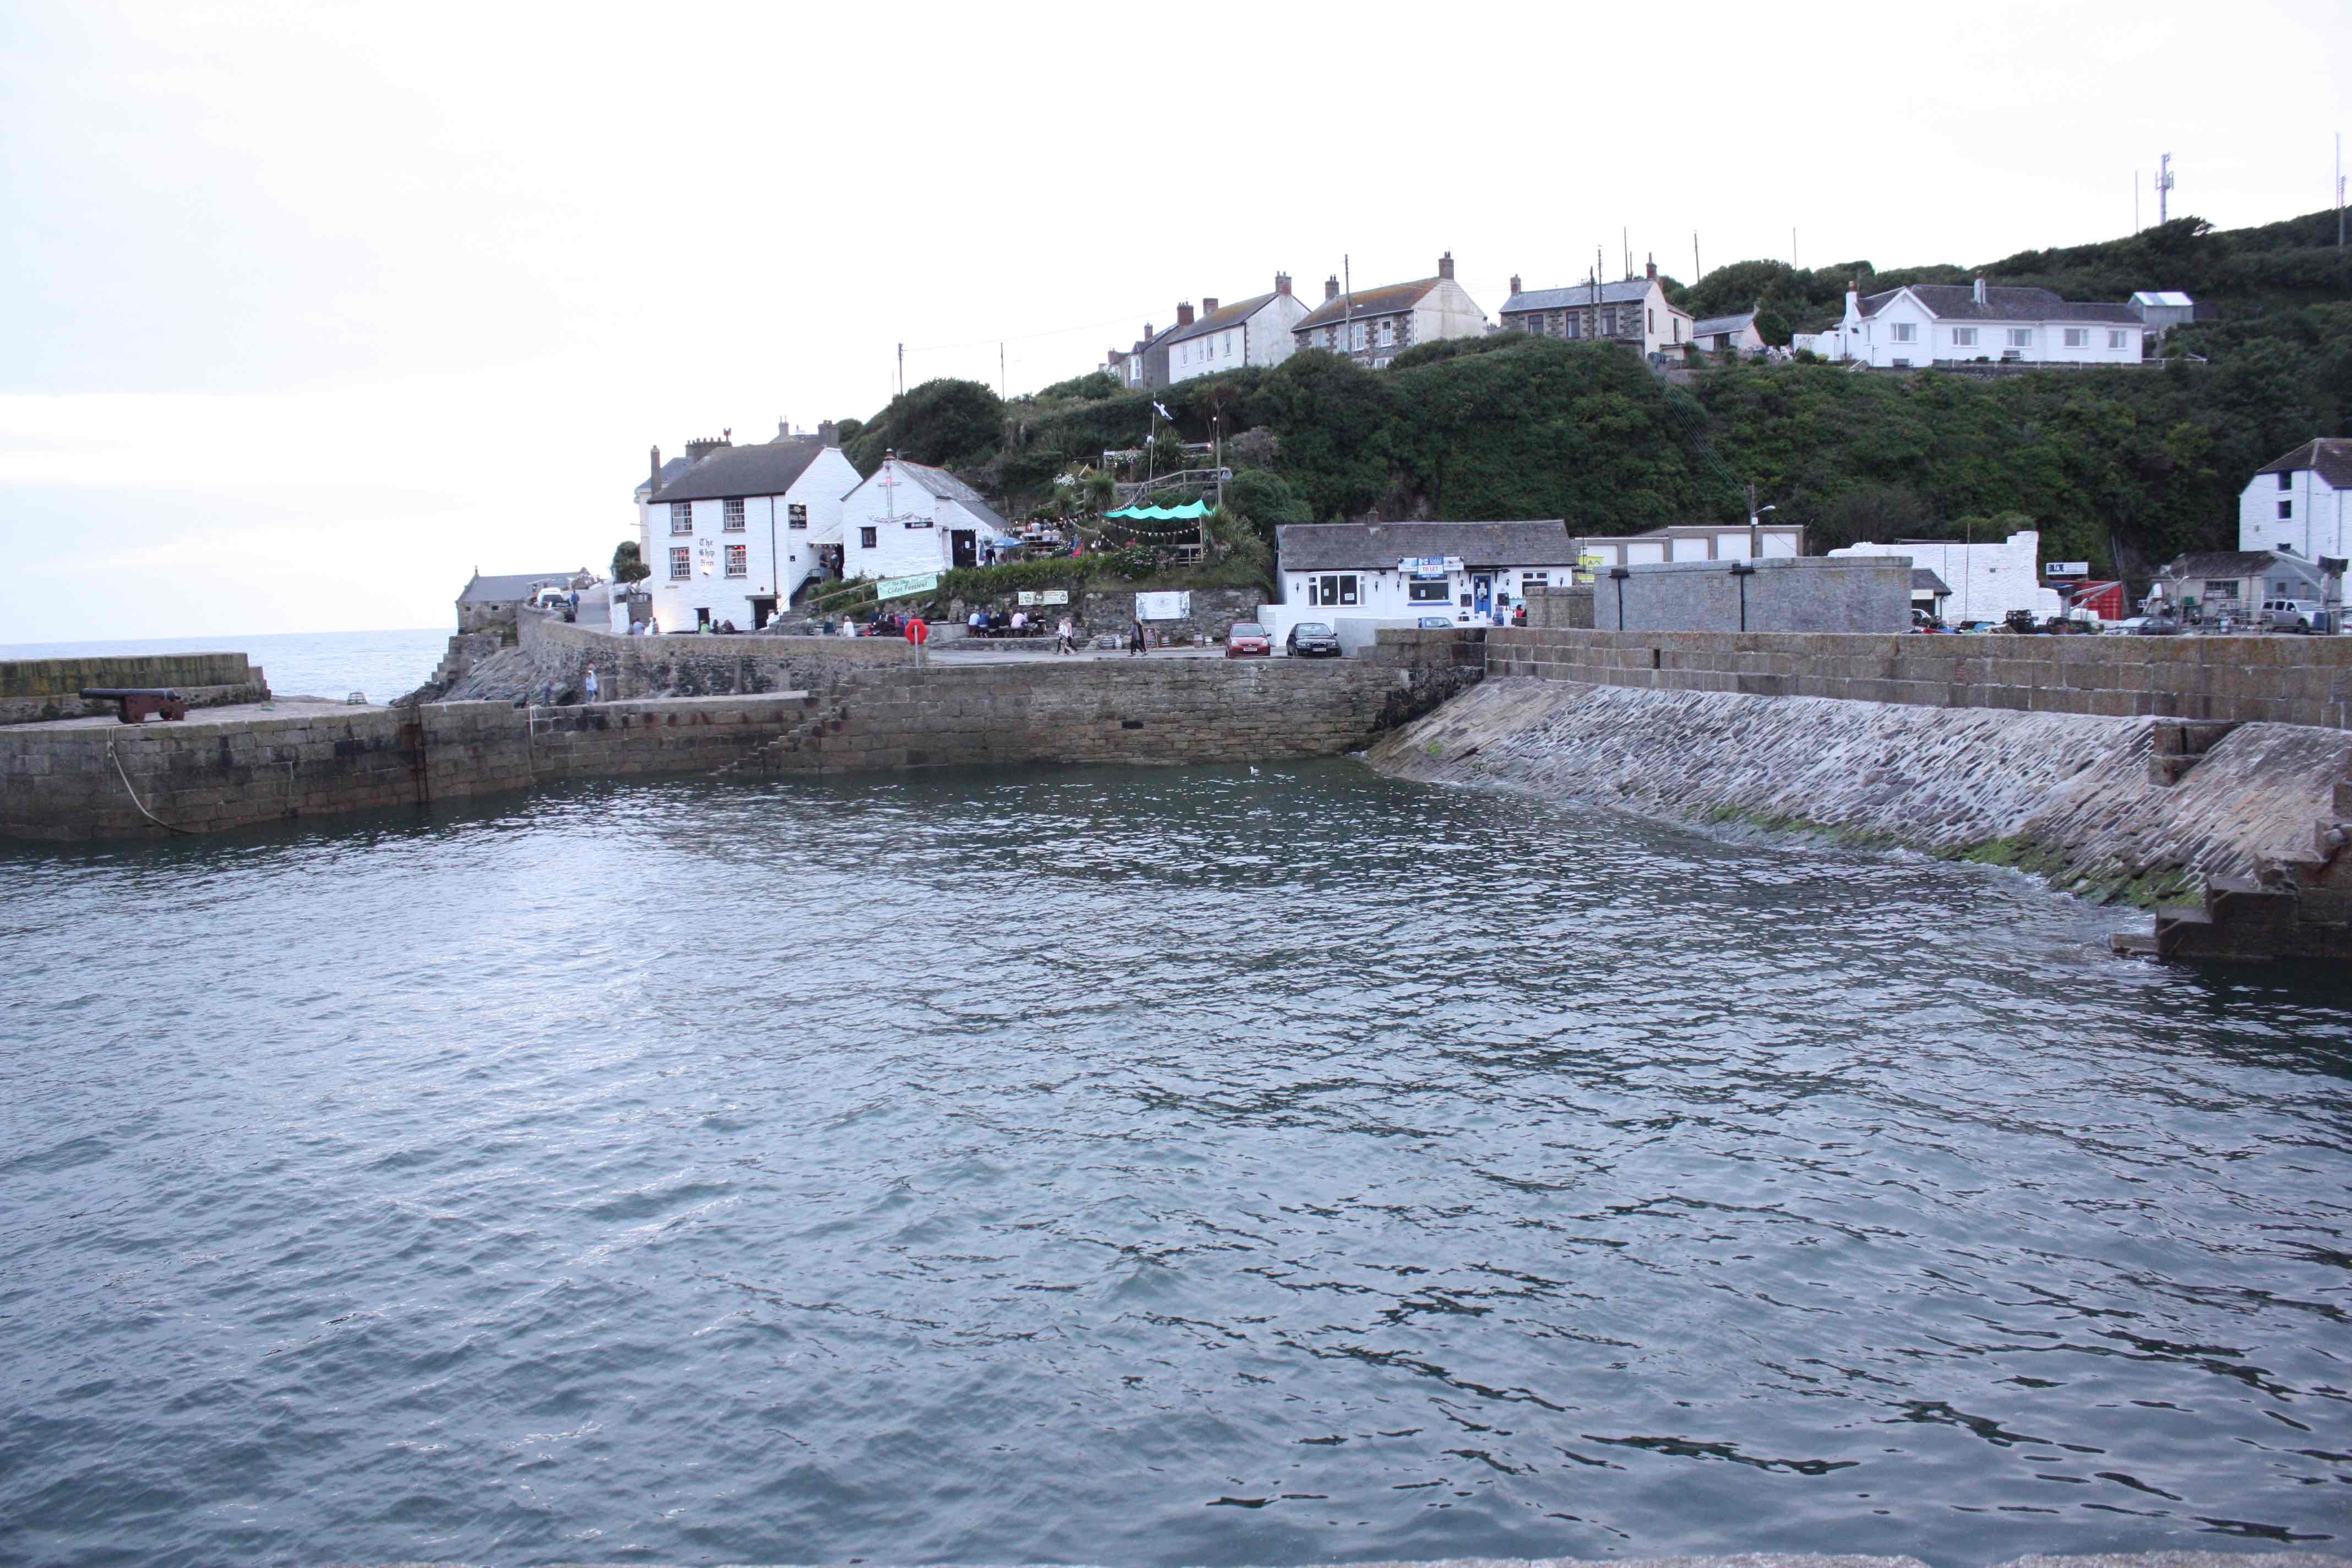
[909, 519]
[734, 533]
[1946, 323]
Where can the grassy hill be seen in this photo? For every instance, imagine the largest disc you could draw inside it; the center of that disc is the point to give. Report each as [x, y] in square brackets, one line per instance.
[2122, 468]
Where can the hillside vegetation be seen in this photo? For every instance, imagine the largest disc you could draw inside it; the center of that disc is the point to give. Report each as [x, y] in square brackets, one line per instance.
[2122, 468]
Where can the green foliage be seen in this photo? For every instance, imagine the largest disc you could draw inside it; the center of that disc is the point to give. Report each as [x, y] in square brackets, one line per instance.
[628, 564]
[845, 430]
[1263, 501]
[1080, 388]
[945, 424]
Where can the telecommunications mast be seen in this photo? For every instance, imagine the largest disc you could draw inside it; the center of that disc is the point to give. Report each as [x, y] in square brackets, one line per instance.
[2163, 187]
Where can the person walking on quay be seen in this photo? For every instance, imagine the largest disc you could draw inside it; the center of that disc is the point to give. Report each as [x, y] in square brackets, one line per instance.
[920, 634]
[1135, 635]
[589, 684]
[1065, 641]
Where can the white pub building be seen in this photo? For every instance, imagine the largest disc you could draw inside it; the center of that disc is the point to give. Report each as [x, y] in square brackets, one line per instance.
[731, 533]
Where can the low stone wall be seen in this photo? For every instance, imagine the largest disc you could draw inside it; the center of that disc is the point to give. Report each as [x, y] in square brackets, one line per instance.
[702, 665]
[2275, 680]
[33, 690]
[92, 781]
[1803, 594]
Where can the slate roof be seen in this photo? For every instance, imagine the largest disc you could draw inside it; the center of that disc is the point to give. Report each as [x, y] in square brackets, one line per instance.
[2171, 299]
[1382, 301]
[1376, 546]
[2235, 563]
[945, 486]
[669, 471]
[1957, 302]
[1926, 582]
[1216, 321]
[1625, 293]
[766, 469]
[510, 589]
[1715, 324]
[2331, 456]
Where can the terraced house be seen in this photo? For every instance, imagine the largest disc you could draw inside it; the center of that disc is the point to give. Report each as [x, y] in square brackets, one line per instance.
[1372, 326]
[1255, 331]
[1632, 311]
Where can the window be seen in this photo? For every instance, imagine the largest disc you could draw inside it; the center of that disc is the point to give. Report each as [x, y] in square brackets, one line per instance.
[1570, 333]
[681, 517]
[1964, 337]
[865, 538]
[2286, 481]
[2218, 590]
[1608, 323]
[2115, 339]
[2021, 337]
[2286, 509]
[1533, 580]
[1433, 592]
[1387, 334]
[1338, 588]
[738, 561]
[2078, 337]
[681, 563]
[734, 522]
[1355, 335]
[1905, 331]
[796, 515]
[1654, 321]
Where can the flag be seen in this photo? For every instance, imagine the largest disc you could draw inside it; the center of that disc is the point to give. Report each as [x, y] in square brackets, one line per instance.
[1163, 413]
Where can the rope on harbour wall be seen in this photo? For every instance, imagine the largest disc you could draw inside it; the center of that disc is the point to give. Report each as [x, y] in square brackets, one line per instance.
[134, 794]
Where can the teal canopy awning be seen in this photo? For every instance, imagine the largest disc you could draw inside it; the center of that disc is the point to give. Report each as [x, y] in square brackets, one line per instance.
[1190, 511]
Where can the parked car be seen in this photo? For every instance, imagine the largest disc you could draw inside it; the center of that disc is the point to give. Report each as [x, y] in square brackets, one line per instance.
[2124, 628]
[2156, 626]
[1437, 623]
[2289, 615]
[1312, 639]
[1248, 639]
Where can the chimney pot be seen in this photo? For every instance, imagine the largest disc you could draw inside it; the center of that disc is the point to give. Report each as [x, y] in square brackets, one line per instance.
[1445, 264]
[1331, 286]
[1515, 284]
[1653, 268]
[1282, 282]
[1184, 313]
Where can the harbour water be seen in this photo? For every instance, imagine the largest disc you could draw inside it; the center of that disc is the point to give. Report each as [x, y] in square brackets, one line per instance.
[1144, 1167]
[382, 665]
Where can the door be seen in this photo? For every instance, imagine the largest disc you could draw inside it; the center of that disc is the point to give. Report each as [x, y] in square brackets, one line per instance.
[764, 610]
[1482, 595]
[702, 616]
[961, 541]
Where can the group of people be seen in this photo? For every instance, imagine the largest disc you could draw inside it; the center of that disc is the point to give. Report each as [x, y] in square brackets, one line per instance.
[649, 627]
[996, 623]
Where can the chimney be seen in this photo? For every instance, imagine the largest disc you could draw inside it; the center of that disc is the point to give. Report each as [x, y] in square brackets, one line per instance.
[1184, 313]
[1148, 335]
[1515, 284]
[1653, 268]
[702, 447]
[1980, 290]
[1282, 282]
[828, 433]
[652, 481]
[1208, 304]
[784, 428]
[1445, 264]
[1331, 288]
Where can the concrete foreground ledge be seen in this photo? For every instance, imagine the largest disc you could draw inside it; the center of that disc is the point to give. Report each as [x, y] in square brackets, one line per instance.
[1740, 1560]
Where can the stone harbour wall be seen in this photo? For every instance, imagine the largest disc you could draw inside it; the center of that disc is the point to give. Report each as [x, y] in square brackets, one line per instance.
[96, 780]
[34, 689]
[2272, 680]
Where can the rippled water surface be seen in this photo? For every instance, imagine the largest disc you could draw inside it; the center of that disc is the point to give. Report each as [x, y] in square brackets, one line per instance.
[1145, 1168]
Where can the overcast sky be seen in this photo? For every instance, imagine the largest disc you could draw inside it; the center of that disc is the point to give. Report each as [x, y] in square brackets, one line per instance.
[311, 309]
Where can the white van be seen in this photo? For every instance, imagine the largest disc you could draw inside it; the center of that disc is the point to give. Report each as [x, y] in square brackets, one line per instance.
[2289, 615]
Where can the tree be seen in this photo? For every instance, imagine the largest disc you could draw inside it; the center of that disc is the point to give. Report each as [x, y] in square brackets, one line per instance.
[629, 563]
[947, 424]
[1264, 502]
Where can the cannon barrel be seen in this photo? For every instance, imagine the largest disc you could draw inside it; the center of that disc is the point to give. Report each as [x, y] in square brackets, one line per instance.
[117, 693]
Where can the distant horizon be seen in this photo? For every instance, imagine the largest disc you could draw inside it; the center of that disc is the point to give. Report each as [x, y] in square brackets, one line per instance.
[205, 636]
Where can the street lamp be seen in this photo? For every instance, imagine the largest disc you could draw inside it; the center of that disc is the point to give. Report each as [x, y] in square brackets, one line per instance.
[1755, 531]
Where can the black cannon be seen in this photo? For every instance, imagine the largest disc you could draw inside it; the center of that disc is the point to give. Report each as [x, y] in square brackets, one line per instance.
[139, 704]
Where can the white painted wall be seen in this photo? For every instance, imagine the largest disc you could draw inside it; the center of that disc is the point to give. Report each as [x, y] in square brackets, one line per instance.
[675, 600]
[1988, 579]
[1879, 341]
[913, 529]
[2315, 523]
[1445, 311]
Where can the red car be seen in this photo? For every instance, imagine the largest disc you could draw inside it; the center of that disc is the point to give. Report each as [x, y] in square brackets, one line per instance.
[1249, 640]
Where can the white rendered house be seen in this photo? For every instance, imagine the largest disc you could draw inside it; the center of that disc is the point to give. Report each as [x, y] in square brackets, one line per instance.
[1988, 577]
[731, 535]
[909, 519]
[1947, 323]
[1256, 330]
[2297, 502]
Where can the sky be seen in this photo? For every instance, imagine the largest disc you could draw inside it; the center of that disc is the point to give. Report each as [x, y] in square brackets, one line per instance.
[306, 311]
